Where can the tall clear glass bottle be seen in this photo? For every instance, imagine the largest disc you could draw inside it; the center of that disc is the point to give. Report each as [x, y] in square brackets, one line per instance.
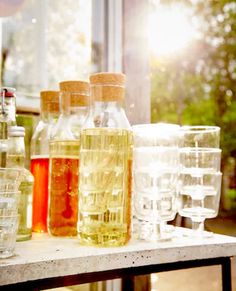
[16, 159]
[64, 158]
[105, 166]
[7, 118]
[40, 158]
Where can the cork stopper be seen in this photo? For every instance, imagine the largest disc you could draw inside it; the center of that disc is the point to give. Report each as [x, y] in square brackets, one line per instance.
[49, 101]
[74, 94]
[107, 86]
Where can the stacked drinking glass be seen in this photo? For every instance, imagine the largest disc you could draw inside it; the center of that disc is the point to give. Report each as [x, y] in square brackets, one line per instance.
[9, 197]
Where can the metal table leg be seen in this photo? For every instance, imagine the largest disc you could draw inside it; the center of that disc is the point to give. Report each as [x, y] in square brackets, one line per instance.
[226, 274]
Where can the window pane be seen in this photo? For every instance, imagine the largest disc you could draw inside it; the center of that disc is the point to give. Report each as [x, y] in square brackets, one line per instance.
[46, 42]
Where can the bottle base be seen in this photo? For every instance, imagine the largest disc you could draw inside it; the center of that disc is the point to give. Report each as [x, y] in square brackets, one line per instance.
[23, 237]
[39, 228]
[63, 232]
[103, 240]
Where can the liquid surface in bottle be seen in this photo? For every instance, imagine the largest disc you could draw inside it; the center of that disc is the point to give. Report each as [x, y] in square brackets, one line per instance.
[105, 187]
[63, 187]
[39, 169]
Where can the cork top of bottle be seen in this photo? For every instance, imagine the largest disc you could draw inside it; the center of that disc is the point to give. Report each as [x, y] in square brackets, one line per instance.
[74, 93]
[49, 101]
[107, 86]
[117, 79]
[74, 86]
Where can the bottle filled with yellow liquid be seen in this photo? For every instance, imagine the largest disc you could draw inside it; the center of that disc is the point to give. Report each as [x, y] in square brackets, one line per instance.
[64, 159]
[16, 159]
[105, 166]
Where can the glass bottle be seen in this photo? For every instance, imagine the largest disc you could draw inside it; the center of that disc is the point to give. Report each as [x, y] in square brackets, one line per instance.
[40, 158]
[64, 158]
[105, 166]
[8, 105]
[7, 118]
[16, 159]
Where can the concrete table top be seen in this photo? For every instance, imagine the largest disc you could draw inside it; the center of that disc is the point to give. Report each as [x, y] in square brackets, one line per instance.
[47, 257]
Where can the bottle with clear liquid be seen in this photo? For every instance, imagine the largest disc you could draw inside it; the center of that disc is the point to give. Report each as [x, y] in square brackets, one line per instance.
[16, 159]
[105, 166]
[7, 118]
[40, 158]
[64, 158]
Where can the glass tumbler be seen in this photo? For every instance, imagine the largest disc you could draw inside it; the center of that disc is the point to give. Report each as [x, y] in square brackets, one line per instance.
[10, 179]
[200, 185]
[200, 136]
[155, 178]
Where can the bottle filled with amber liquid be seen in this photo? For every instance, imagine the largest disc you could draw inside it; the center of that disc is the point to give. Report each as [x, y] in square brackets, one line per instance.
[40, 158]
[105, 166]
[64, 158]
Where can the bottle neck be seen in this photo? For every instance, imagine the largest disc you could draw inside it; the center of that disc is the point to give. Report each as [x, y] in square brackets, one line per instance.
[107, 114]
[16, 151]
[48, 117]
[107, 106]
[74, 110]
[8, 110]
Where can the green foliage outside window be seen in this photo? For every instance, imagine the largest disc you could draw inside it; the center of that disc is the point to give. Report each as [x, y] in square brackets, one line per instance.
[197, 85]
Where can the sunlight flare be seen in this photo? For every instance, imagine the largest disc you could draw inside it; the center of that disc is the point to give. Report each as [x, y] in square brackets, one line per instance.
[169, 29]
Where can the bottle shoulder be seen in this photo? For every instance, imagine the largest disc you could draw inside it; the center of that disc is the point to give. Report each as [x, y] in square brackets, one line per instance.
[40, 129]
[113, 118]
[27, 176]
[67, 127]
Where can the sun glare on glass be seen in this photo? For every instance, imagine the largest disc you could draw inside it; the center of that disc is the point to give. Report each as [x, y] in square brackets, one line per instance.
[169, 29]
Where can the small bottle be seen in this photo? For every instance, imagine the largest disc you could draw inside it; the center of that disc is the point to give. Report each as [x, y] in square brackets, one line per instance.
[8, 105]
[105, 166]
[64, 158]
[40, 158]
[7, 118]
[16, 159]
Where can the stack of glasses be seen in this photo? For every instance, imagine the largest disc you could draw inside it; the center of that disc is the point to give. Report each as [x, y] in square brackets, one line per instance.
[10, 179]
[155, 179]
[175, 169]
[200, 176]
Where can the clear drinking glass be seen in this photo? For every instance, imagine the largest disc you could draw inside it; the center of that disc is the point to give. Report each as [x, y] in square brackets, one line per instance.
[155, 177]
[9, 198]
[200, 186]
[201, 136]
